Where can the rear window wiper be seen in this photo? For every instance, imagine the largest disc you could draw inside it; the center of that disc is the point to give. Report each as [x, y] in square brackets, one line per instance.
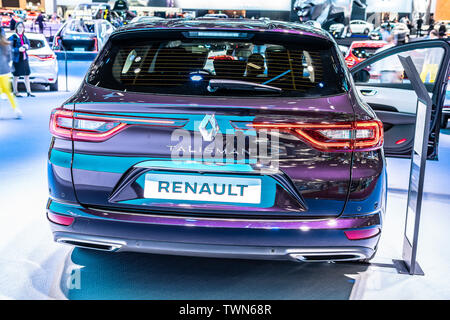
[215, 84]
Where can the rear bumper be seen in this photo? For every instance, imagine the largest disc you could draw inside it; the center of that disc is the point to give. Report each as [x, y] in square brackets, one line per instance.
[41, 78]
[43, 73]
[300, 240]
[305, 254]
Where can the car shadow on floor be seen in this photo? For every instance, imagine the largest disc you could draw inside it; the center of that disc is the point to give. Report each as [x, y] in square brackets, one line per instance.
[104, 275]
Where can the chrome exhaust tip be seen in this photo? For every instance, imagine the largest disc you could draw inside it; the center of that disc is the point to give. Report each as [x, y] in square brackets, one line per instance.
[90, 244]
[323, 257]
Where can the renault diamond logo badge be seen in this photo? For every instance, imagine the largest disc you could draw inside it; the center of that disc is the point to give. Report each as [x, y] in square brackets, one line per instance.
[208, 127]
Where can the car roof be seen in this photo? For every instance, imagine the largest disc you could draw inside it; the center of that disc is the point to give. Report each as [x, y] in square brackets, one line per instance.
[227, 24]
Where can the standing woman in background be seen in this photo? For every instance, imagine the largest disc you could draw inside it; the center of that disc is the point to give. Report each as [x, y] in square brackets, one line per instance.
[20, 44]
[5, 70]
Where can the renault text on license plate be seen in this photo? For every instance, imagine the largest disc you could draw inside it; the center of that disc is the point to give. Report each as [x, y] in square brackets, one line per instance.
[202, 188]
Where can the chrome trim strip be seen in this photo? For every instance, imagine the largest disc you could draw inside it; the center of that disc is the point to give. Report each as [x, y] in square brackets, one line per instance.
[234, 219]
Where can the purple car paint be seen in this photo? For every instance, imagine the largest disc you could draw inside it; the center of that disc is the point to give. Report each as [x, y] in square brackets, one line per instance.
[115, 167]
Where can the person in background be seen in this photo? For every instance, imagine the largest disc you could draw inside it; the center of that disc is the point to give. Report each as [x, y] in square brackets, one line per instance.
[419, 26]
[442, 30]
[384, 33]
[431, 25]
[409, 25]
[5, 70]
[431, 60]
[40, 22]
[390, 69]
[12, 23]
[21, 67]
[433, 34]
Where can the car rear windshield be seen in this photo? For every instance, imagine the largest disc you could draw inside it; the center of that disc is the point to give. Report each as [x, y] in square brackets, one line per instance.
[36, 44]
[80, 26]
[216, 65]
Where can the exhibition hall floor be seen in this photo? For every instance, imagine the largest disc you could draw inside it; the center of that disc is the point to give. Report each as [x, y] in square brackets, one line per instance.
[32, 266]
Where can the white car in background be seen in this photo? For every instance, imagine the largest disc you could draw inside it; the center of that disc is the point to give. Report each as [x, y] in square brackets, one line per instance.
[338, 30]
[215, 16]
[360, 26]
[43, 63]
[146, 19]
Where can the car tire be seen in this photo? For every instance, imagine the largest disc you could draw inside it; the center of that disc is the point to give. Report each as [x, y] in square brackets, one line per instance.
[444, 122]
[366, 31]
[54, 86]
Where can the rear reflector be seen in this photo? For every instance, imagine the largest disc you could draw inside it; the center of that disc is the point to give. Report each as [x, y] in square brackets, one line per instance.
[361, 233]
[400, 141]
[60, 219]
[330, 137]
[57, 45]
[95, 45]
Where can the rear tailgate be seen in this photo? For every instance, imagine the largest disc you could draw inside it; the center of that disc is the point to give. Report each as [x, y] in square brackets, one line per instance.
[299, 181]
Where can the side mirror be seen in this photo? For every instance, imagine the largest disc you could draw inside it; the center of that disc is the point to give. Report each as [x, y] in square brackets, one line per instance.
[361, 76]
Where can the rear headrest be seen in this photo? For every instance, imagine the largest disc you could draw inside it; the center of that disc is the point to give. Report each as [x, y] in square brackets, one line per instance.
[255, 64]
[230, 68]
[179, 60]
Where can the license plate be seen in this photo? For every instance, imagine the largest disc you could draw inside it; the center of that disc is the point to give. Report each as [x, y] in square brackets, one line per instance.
[78, 49]
[202, 188]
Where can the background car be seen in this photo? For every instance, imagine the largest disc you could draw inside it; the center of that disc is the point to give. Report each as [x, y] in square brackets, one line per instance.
[43, 63]
[31, 15]
[6, 16]
[400, 30]
[215, 16]
[338, 30]
[360, 27]
[82, 36]
[145, 19]
[89, 10]
[22, 14]
[361, 50]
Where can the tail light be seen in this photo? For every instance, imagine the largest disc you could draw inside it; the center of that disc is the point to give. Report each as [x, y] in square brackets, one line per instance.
[331, 137]
[63, 124]
[95, 45]
[57, 46]
[222, 57]
[44, 57]
[92, 127]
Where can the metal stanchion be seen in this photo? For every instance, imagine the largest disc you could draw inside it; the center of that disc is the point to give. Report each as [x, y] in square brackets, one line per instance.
[65, 68]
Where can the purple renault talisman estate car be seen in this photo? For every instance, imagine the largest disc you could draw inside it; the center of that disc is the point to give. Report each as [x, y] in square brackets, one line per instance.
[218, 138]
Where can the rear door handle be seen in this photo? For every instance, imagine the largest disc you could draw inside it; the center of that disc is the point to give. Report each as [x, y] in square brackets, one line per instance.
[368, 92]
